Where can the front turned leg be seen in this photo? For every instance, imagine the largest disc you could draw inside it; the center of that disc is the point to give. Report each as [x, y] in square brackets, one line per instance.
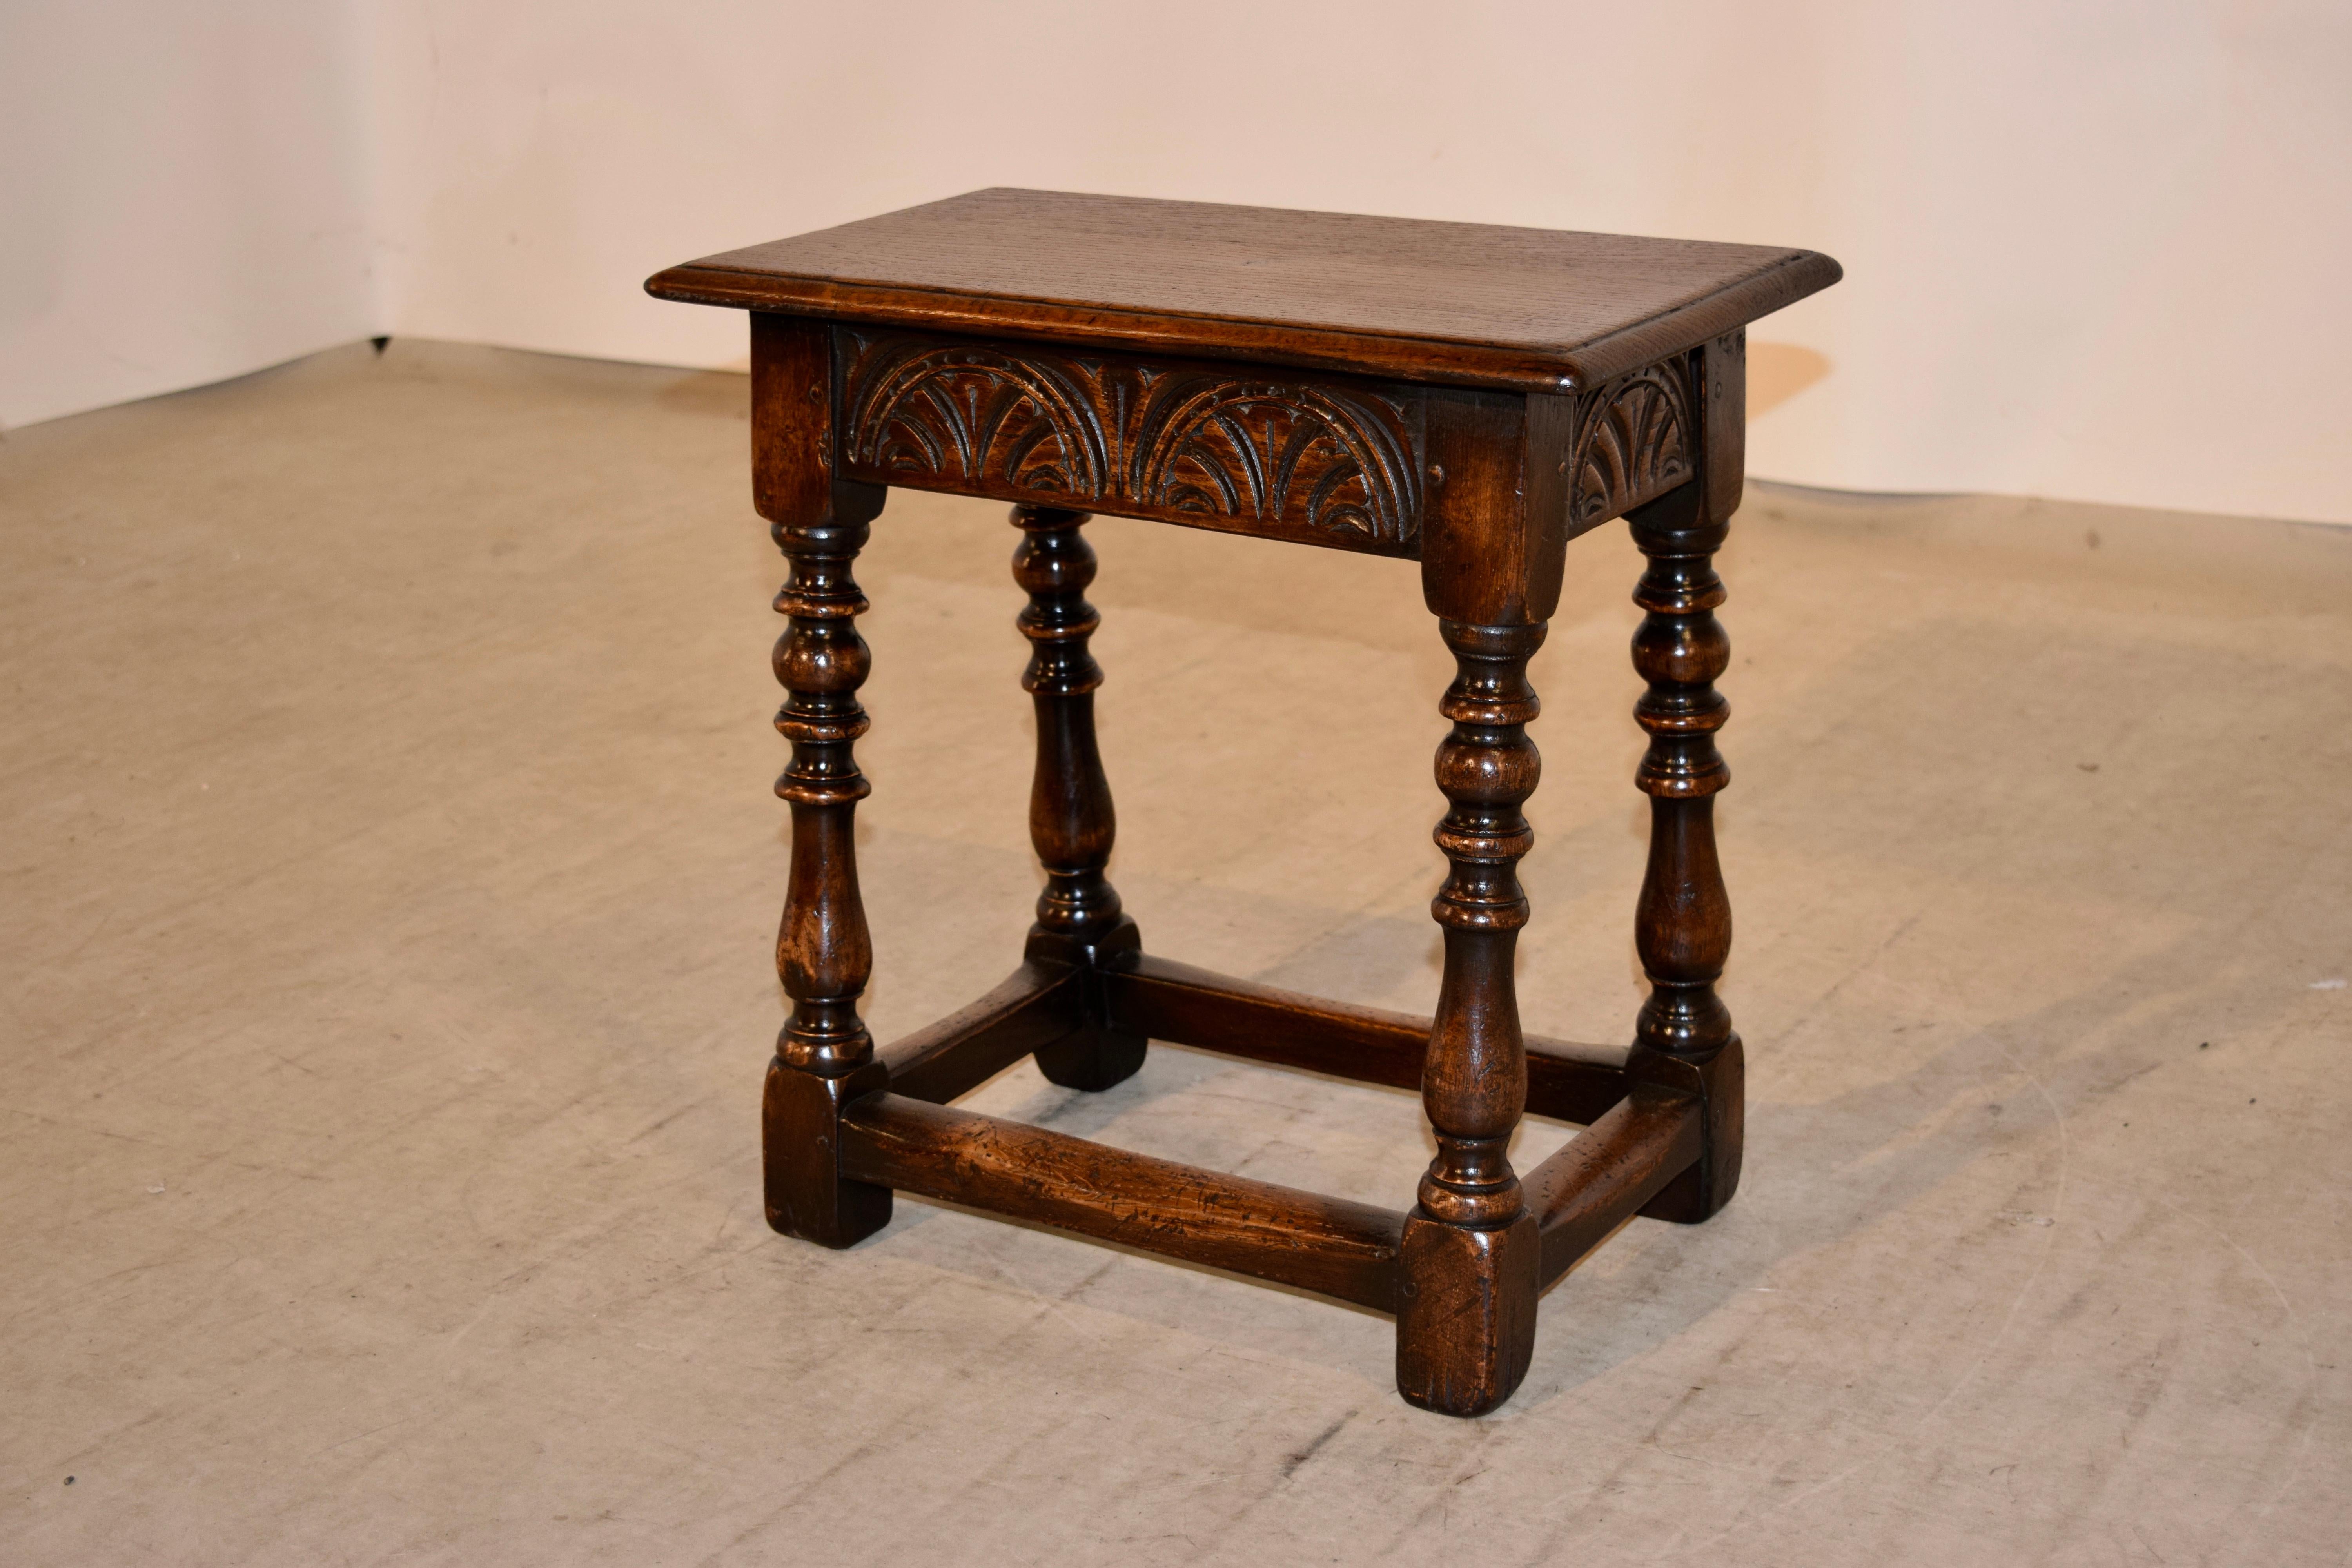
[1469, 1271]
[1683, 1037]
[824, 1057]
[1070, 817]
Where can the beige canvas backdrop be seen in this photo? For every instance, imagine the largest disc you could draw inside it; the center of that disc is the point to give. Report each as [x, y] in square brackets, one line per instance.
[2093, 250]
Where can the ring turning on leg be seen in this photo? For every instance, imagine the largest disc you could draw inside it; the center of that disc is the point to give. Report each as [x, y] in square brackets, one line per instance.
[1466, 1300]
[1070, 819]
[1683, 1037]
[824, 1057]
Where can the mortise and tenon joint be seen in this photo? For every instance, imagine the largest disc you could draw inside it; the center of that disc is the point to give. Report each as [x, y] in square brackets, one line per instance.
[1469, 398]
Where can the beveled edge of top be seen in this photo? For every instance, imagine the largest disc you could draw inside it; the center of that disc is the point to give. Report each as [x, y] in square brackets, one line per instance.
[1783, 279]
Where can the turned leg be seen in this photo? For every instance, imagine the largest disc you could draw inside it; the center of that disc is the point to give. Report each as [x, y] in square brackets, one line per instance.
[1070, 817]
[824, 1057]
[1466, 1308]
[1683, 924]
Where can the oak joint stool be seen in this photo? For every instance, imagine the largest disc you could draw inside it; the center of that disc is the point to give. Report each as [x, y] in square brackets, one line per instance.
[1471, 397]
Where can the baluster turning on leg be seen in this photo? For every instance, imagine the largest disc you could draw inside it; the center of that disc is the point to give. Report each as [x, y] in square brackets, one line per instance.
[824, 1057]
[1465, 1319]
[1683, 924]
[1070, 817]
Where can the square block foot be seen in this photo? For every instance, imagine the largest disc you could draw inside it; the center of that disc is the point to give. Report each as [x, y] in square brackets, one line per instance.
[800, 1143]
[1465, 1313]
[1720, 1083]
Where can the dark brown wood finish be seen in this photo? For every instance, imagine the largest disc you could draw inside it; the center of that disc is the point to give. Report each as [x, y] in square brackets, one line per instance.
[1583, 1194]
[1463, 1343]
[1165, 1000]
[1312, 459]
[1682, 924]
[1040, 1004]
[1071, 822]
[1470, 397]
[1070, 819]
[824, 955]
[1454, 304]
[1334, 1247]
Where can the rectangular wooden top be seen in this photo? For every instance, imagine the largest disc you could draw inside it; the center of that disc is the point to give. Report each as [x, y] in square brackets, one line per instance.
[1401, 299]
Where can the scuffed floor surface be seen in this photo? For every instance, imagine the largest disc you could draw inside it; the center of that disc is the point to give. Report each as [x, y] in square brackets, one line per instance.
[390, 871]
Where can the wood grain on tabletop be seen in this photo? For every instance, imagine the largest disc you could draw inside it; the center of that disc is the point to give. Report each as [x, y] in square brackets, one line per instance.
[1458, 303]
